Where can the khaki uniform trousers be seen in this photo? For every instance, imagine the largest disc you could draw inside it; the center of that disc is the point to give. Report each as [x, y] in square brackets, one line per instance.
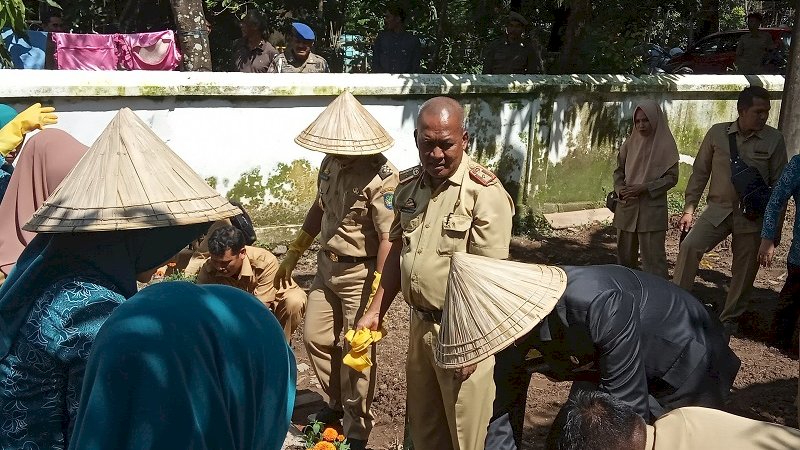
[336, 301]
[652, 247]
[289, 308]
[703, 237]
[436, 398]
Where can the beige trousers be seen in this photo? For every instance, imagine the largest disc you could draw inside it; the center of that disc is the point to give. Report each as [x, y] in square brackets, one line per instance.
[703, 237]
[336, 301]
[289, 307]
[653, 252]
[444, 414]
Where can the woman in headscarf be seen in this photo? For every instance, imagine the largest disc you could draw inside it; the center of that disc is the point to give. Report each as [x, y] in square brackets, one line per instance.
[647, 167]
[180, 366]
[47, 158]
[73, 274]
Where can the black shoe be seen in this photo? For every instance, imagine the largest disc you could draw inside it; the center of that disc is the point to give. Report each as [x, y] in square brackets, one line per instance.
[327, 415]
[357, 444]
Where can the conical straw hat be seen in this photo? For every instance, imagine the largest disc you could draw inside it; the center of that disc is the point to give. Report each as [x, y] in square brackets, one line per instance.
[129, 179]
[345, 127]
[490, 303]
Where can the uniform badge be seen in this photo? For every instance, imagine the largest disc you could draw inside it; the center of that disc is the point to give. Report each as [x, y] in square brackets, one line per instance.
[385, 171]
[410, 174]
[482, 175]
[409, 206]
[388, 198]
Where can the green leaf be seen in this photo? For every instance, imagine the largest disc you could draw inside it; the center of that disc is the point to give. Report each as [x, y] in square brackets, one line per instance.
[53, 4]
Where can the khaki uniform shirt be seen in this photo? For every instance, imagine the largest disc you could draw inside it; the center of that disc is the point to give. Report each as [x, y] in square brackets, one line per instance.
[502, 57]
[286, 62]
[751, 51]
[649, 211]
[765, 150]
[469, 212]
[256, 277]
[256, 60]
[356, 199]
[693, 428]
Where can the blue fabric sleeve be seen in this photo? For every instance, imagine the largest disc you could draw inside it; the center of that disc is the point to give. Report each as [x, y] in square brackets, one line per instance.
[783, 189]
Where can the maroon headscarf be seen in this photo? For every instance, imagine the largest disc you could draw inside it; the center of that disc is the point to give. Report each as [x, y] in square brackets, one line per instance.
[44, 162]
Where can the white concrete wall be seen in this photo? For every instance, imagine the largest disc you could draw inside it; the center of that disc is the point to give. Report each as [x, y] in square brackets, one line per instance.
[223, 124]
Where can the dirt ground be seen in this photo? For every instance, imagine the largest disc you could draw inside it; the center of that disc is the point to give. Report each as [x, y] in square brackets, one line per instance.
[765, 387]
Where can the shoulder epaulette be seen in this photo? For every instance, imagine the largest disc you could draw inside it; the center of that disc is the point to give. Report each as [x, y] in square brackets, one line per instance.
[481, 174]
[410, 174]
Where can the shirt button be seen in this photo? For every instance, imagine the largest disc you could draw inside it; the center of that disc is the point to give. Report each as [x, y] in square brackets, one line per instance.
[434, 199]
[427, 225]
[419, 251]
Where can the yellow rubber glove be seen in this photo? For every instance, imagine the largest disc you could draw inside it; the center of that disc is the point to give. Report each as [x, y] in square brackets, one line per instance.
[376, 282]
[360, 343]
[33, 118]
[283, 276]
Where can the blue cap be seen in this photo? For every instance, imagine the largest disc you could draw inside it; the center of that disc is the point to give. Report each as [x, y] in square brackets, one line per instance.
[7, 114]
[304, 31]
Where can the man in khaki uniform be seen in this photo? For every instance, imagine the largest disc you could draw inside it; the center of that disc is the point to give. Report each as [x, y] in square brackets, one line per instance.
[759, 146]
[252, 269]
[352, 215]
[298, 57]
[593, 417]
[448, 204]
[753, 47]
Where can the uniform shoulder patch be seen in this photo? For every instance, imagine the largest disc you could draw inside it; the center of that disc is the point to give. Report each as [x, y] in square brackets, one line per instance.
[410, 174]
[482, 175]
[385, 171]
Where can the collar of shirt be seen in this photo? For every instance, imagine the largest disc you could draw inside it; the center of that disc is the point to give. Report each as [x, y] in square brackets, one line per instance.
[247, 268]
[734, 128]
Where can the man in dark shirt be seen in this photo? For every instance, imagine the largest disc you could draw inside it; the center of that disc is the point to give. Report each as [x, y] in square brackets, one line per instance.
[253, 53]
[630, 334]
[512, 54]
[395, 50]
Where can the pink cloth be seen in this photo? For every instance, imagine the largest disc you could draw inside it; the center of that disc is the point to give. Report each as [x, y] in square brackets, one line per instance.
[149, 51]
[85, 51]
[140, 51]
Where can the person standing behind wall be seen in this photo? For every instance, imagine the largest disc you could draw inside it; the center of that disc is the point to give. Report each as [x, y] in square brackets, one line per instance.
[253, 54]
[396, 50]
[298, 57]
[759, 146]
[647, 167]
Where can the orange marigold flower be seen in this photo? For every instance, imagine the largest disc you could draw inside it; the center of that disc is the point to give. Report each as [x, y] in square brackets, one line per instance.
[323, 445]
[330, 434]
[340, 438]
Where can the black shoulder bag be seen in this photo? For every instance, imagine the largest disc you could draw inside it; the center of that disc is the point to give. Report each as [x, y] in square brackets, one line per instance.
[753, 191]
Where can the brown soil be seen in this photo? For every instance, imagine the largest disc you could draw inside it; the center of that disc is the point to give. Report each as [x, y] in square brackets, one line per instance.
[765, 387]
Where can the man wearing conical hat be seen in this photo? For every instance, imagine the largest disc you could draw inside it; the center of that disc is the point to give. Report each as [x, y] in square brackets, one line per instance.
[128, 205]
[352, 215]
[448, 204]
[631, 334]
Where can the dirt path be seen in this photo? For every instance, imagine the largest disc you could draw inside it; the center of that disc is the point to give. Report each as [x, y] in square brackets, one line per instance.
[765, 388]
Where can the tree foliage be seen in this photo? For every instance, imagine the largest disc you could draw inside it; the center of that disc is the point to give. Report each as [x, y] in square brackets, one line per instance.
[578, 35]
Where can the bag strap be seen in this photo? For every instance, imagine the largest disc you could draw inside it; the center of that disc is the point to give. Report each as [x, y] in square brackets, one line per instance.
[734, 150]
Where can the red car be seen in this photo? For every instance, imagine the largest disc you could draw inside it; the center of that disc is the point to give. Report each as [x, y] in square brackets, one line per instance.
[716, 53]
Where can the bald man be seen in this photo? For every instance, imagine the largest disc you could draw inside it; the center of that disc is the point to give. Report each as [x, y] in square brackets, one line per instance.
[447, 204]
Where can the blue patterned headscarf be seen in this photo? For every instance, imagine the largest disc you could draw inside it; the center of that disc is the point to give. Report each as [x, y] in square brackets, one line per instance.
[7, 113]
[115, 256]
[181, 366]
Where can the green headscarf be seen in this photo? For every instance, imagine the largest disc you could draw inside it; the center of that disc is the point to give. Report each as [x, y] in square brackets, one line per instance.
[181, 366]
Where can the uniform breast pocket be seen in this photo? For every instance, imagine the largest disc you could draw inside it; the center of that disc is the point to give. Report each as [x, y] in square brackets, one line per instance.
[409, 224]
[455, 228]
[357, 212]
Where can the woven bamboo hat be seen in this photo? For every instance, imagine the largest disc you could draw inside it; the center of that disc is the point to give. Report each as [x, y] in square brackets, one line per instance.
[129, 179]
[490, 303]
[345, 127]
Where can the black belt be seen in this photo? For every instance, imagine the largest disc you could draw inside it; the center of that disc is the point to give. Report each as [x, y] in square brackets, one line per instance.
[346, 259]
[428, 316]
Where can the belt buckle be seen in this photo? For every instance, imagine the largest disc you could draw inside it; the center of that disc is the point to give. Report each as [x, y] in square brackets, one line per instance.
[333, 257]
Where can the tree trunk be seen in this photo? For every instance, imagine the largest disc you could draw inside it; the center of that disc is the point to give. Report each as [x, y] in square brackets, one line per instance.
[580, 12]
[192, 35]
[790, 106]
